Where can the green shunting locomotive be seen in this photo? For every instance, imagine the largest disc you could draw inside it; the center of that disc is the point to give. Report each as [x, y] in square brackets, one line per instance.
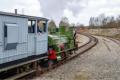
[62, 40]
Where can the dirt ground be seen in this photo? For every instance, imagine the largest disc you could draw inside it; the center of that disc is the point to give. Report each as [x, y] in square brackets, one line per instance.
[100, 63]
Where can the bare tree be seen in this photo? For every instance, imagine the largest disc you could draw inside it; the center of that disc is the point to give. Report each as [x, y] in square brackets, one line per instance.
[64, 22]
[104, 22]
[52, 26]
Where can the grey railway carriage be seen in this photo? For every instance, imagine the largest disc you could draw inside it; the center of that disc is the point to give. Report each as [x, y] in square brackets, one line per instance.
[22, 38]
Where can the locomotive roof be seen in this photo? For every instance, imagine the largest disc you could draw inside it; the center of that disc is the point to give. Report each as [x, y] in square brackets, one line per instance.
[21, 16]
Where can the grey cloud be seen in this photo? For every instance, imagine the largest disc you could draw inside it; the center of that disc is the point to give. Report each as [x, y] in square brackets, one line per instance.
[75, 7]
[54, 8]
[75, 10]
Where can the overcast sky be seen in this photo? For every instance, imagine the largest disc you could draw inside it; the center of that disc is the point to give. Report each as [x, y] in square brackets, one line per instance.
[77, 11]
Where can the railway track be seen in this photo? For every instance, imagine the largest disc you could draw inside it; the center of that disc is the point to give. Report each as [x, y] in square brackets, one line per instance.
[116, 41]
[74, 52]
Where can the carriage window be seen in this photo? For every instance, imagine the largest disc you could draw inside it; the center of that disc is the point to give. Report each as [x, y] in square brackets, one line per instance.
[41, 26]
[31, 26]
[5, 31]
[10, 36]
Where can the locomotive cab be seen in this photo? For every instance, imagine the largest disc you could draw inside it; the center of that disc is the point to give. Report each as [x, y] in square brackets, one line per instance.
[37, 36]
[22, 38]
[23, 44]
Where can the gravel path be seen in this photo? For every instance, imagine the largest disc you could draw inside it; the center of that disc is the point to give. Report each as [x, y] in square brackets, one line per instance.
[100, 63]
[81, 39]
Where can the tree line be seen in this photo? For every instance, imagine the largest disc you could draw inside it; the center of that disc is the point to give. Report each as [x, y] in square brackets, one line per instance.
[103, 21]
[63, 25]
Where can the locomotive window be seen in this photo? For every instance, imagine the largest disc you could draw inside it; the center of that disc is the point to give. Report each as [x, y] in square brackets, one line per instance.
[31, 26]
[41, 26]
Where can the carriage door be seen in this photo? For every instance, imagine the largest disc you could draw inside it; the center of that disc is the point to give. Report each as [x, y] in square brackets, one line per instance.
[10, 36]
